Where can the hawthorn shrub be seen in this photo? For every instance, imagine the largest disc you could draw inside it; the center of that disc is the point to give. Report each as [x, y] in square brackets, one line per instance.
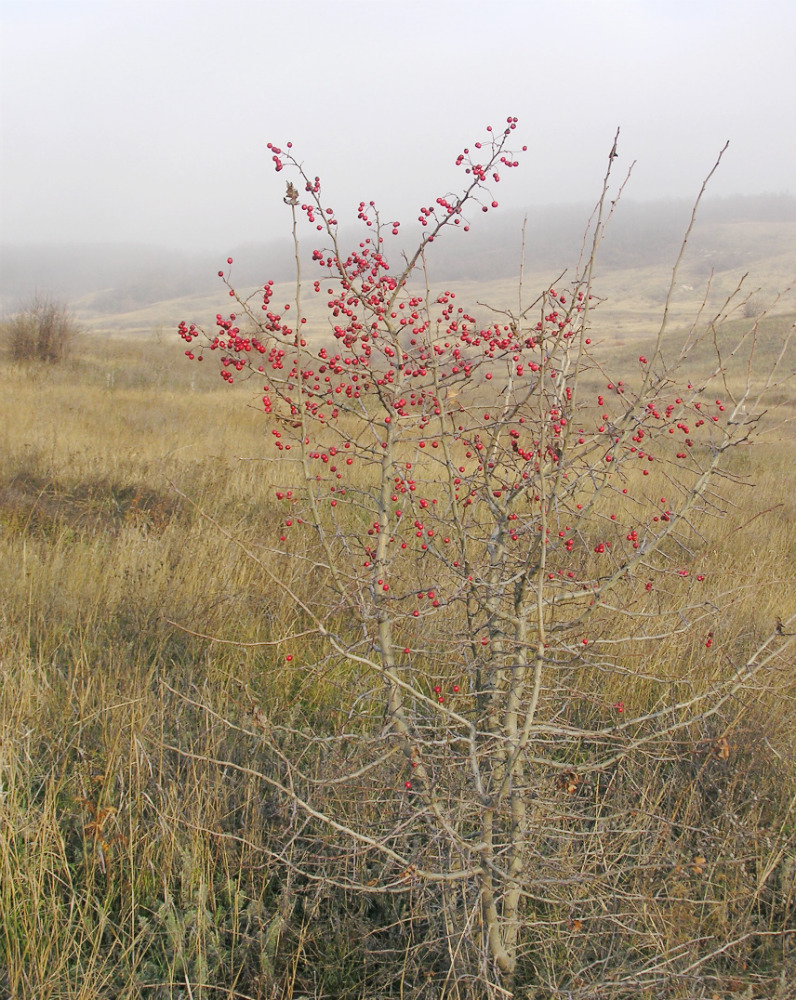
[42, 332]
[495, 549]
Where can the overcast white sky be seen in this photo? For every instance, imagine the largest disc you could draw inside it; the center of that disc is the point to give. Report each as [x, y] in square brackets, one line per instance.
[148, 122]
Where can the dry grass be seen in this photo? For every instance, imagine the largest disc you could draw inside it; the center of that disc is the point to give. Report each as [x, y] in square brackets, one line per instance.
[132, 870]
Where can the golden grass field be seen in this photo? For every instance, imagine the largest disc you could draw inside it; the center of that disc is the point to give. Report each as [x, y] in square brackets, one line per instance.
[131, 871]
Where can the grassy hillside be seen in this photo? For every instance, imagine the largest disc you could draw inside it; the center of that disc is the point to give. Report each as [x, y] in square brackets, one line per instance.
[143, 853]
[142, 289]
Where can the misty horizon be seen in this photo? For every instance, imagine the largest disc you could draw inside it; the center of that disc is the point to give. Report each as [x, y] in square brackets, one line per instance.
[121, 276]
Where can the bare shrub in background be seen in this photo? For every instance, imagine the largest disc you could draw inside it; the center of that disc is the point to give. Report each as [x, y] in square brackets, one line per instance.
[44, 331]
[493, 549]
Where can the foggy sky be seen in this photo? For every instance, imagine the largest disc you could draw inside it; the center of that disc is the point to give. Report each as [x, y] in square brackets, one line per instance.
[148, 122]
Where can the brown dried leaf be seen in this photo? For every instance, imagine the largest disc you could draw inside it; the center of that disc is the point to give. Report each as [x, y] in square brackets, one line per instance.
[721, 749]
[568, 782]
